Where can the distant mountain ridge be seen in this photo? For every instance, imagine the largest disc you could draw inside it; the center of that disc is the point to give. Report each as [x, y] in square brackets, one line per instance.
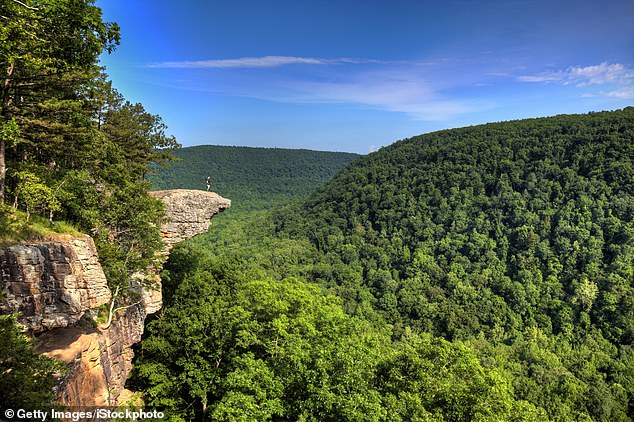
[251, 175]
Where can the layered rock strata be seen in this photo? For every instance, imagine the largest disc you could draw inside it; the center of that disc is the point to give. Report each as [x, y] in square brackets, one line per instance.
[186, 218]
[53, 284]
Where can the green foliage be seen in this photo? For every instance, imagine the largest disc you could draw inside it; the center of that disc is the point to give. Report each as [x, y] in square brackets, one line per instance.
[48, 49]
[491, 232]
[257, 180]
[233, 345]
[26, 378]
[139, 135]
[9, 132]
[431, 379]
[70, 146]
[15, 227]
[73, 146]
[123, 221]
[253, 178]
[35, 195]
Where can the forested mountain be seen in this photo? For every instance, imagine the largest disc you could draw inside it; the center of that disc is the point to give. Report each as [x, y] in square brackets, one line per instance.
[523, 223]
[252, 178]
[485, 273]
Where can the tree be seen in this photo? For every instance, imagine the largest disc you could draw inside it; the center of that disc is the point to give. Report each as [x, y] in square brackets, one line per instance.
[427, 378]
[138, 134]
[231, 345]
[26, 378]
[46, 48]
[34, 194]
[9, 132]
[238, 347]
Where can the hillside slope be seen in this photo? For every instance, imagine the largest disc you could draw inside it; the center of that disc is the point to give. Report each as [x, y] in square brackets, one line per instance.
[518, 234]
[545, 205]
[251, 177]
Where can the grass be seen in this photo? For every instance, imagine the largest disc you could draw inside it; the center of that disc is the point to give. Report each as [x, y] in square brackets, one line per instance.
[100, 317]
[14, 227]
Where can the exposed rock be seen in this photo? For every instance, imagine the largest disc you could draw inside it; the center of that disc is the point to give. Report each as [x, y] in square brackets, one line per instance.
[78, 346]
[188, 212]
[52, 284]
[99, 360]
[148, 286]
[116, 344]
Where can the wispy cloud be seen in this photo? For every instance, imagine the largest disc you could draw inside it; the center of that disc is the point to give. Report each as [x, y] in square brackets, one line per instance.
[603, 73]
[256, 62]
[613, 74]
[403, 90]
[542, 77]
[400, 86]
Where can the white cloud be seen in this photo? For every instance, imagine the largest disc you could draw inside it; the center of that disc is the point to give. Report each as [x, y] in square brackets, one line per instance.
[615, 74]
[597, 75]
[255, 62]
[544, 77]
[626, 93]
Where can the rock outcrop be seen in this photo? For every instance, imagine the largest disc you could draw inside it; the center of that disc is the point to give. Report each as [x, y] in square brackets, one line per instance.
[53, 284]
[186, 218]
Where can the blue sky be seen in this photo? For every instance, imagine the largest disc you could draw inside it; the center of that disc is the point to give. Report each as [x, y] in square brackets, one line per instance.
[343, 75]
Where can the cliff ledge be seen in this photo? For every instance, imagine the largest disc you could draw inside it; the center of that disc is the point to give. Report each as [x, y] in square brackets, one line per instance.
[188, 212]
[52, 284]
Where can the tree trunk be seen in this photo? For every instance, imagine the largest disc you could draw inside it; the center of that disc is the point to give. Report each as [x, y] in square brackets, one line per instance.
[3, 113]
[3, 171]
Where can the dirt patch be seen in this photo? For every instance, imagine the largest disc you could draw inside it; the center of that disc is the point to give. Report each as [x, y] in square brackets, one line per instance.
[65, 344]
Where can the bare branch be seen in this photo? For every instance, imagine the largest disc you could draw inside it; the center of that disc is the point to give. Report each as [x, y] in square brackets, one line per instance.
[114, 310]
[25, 5]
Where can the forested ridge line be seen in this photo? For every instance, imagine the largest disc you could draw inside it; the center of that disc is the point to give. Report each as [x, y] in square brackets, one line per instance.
[509, 244]
[254, 178]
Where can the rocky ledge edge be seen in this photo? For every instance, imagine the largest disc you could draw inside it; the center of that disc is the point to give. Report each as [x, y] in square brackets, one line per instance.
[54, 284]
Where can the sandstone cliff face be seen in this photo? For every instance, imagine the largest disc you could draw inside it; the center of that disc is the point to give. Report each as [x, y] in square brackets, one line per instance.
[188, 213]
[54, 284]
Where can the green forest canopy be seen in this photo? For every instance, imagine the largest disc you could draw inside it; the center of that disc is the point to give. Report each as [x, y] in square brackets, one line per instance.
[511, 243]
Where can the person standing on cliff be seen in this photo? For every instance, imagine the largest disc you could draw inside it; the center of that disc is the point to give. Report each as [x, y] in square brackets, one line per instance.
[208, 183]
